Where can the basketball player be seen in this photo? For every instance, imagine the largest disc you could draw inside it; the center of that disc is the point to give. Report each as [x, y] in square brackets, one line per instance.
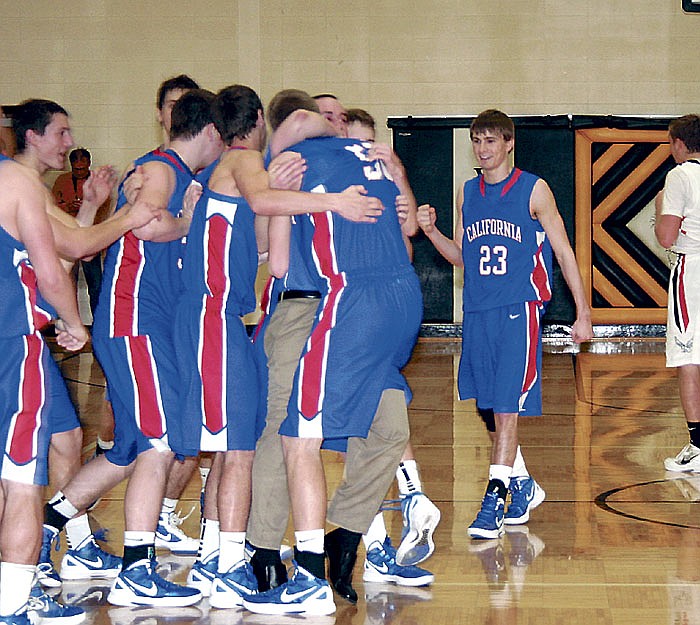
[132, 338]
[33, 385]
[223, 394]
[43, 136]
[331, 108]
[294, 300]
[369, 266]
[508, 227]
[420, 515]
[169, 534]
[678, 227]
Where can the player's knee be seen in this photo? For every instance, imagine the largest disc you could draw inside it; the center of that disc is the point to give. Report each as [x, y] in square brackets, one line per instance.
[67, 444]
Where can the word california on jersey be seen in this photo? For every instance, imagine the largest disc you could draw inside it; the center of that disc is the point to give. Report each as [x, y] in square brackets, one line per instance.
[507, 255]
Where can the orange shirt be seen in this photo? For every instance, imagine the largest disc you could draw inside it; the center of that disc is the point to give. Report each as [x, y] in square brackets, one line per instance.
[68, 193]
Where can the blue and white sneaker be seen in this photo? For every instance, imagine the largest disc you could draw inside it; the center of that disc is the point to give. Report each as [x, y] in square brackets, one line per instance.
[420, 518]
[43, 609]
[170, 536]
[18, 618]
[489, 520]
[45, 570]
[302, 594]
[140, 584]
[202, 574]
[89, 561]
[229, 589]
[525, 495]
[381, 567]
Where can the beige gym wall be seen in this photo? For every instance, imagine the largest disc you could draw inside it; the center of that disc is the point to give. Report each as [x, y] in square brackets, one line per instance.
[103, 59]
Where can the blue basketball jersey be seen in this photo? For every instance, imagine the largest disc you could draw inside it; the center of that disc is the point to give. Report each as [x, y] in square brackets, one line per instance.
[221, 254]
[341, 246]
[141, 282]
[371, 307]
[507, 255]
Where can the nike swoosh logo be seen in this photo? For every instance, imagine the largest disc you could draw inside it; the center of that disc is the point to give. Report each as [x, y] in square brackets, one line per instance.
[383, 568]
[97, 563]
[514, 316]
[151, 590]
[291, 597]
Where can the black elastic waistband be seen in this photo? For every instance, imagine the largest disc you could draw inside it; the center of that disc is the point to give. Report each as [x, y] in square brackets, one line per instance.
[295, 294]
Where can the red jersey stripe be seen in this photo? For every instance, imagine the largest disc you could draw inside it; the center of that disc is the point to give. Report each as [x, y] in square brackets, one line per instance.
[26, 421]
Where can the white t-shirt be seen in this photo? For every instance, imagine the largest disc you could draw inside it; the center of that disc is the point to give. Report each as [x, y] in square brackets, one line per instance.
[682, 199]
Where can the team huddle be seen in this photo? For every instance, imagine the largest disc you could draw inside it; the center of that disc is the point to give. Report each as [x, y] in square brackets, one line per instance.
[331, 216]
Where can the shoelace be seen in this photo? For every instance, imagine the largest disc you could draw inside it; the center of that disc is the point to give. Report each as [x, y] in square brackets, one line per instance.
[39, 603]
[176, 520]
[516, 485]
[489, 505]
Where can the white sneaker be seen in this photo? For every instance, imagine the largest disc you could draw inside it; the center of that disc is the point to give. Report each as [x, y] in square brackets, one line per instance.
[140, 584]
[202, 574]
[170, 536]
[89, 561]
[229, 589]
[688, 459]
[420, 518]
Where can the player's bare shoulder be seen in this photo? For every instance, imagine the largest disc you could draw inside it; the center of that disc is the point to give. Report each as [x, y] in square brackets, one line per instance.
[234, 166]
[542, 202]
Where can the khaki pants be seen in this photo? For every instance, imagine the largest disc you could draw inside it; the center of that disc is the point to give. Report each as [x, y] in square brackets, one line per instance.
[370, 463]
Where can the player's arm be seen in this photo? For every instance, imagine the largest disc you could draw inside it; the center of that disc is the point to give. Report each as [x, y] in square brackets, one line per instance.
[666, 227]
[402, 208]
[262, 226]
[284, 172]
[543, 207]
[253, 182]
[397, 171]
[56, 286]
[158, 186]
[97, 191]
[298, 126]
[74, 242]
[450, 249]
[279, 234]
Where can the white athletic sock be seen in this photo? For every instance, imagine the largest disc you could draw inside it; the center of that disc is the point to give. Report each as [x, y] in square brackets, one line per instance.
[136, 539]
[61, 505]
[208, 540]
[310, 540]
[408, 478]
[519, 468]
[500, 472]
[231, 550]
[168, 506]
[376, 531]
[16, 582]
[77, 530]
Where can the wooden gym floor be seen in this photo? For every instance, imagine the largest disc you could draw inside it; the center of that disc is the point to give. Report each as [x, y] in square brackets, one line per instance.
[617, 541]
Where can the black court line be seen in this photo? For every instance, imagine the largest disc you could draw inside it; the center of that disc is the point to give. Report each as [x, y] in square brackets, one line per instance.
[602, 503]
